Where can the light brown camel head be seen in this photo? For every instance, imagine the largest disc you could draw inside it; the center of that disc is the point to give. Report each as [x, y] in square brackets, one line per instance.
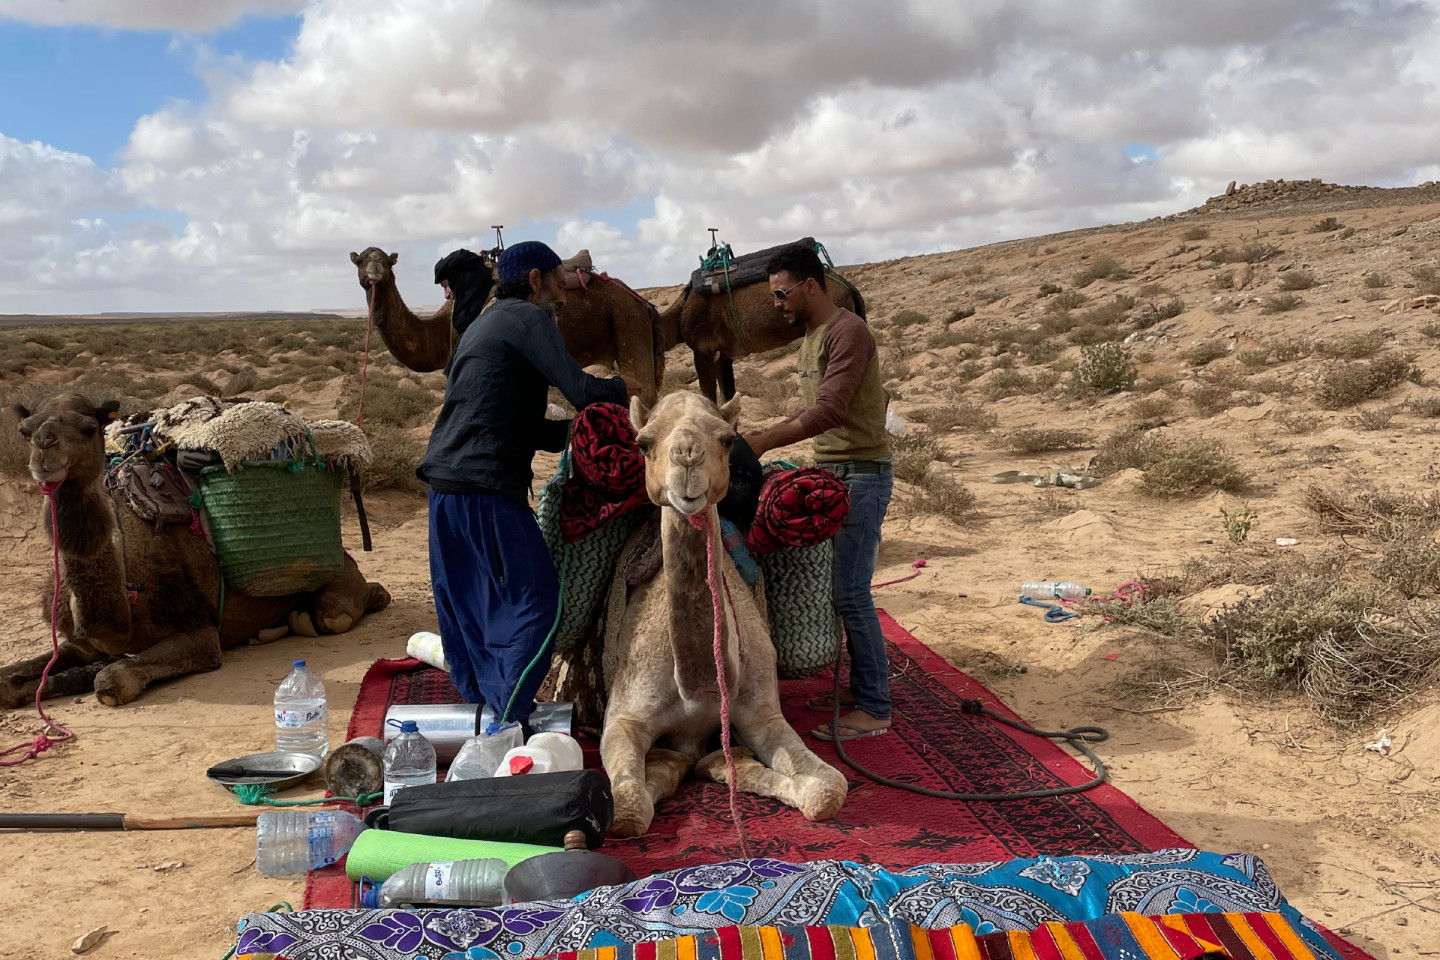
[66, 437]
[373, 264]
[686, 441]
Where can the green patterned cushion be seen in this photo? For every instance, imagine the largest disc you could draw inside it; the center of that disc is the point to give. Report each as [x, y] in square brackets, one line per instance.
[587, 566]
[803, 624]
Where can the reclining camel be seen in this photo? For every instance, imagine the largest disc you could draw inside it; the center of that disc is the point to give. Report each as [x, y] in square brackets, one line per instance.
[145, 605]
[660, 672]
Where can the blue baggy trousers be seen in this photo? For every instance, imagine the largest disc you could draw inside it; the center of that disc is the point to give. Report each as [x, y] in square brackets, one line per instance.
[496, 596]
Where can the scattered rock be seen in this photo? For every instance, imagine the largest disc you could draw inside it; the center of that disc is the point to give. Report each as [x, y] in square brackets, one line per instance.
[1081, 525]
[1212, 603]
[169, 865]
[90, 940]
[1248, 414]
[1243, 276]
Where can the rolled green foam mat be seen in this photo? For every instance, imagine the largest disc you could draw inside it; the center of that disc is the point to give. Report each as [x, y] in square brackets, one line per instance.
[379, 853]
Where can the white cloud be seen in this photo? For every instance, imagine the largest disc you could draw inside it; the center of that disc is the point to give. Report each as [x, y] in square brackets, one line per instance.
[140, 14]
[630, 127]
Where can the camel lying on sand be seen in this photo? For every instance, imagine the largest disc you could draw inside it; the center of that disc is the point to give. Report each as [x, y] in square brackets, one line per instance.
[141, 604]
[660, 672]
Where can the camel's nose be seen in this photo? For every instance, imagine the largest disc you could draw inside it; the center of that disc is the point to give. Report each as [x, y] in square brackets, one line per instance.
[44, 438]
[687, 451]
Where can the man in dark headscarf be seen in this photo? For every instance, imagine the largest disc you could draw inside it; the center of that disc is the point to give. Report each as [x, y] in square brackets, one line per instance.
[496, 592]
[466, 278]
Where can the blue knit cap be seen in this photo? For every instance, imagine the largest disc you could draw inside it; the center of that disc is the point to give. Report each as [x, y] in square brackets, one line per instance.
[517, 261]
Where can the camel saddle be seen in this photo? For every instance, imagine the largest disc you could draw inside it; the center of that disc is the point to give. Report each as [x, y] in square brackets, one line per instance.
[727, 273]
[572, 268]
[157, 492]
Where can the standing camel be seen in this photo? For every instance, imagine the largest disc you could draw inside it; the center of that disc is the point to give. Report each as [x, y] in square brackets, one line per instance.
[602, 323]
[140, 603]
[719, 332]
[660, 672]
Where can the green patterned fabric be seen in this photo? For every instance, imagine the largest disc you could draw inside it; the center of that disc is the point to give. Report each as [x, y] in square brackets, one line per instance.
[591, 561]
[803, 624]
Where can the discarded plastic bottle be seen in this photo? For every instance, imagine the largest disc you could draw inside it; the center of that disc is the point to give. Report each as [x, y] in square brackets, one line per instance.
[545, 753]
[409, 760]
[296, 841]
[481, 754]
[459, 883]
[1042, 590]
[302, 721]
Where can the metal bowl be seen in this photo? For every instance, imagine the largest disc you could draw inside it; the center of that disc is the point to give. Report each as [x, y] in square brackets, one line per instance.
[278, 768]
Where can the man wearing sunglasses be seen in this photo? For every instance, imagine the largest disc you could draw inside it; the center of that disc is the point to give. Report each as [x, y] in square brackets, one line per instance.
[839, 369]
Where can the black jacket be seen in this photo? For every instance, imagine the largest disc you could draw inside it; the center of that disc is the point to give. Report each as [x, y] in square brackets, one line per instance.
[496, 392]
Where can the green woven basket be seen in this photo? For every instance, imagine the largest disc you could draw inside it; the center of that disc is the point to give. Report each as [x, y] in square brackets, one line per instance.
[275, 525]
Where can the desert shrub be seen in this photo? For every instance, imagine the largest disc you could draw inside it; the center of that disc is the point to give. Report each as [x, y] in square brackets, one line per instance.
[950, 337]
[1376, 280]
[1372, 419]
[965, 415]
[1133, 448]
[1344, 384]
[1355, 346]
[1280, 303]
[1273, 386]
[1427, 278]
[1044, 351]
[1206, 351]
[1105, 368]
[1196, 233]
[1297, 422]
[1008, 383]
[1254, 359]
[943, 496]
[1110, 313]
[1297, 280]
[1328, 225]
[1369, 296]
[1105, 268]
[397, 455]
[1151, 408]
[1211, 398]
[991, 295]
[908, 318]
[960, 313]
[1152, 312]
[913, 455]
[1158, 381]
[1050, 289]
[1190, 466]
[1290, 349]
[1409, 565]
[1044, 441]
[1067, 300]
[1377, 513]
[391, 402]
[1237, 524]
[1430, 330]
[1006, 361]
[1250, 253]
[1223, 280]
[1426, 407]
[1089, 335]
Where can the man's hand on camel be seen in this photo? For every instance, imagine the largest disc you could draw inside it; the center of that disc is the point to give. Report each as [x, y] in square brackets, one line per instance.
[632, 386]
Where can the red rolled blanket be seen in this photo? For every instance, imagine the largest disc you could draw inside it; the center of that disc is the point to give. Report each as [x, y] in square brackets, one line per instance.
[798, 508]
[608, 471]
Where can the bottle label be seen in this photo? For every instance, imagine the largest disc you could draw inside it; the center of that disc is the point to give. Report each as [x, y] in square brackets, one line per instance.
[437, 881]
[294, 719]
[391, 788]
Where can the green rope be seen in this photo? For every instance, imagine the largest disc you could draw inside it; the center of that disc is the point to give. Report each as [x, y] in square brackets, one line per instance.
[274, 908]
[820, 249]
[256, 794]
[549, 639]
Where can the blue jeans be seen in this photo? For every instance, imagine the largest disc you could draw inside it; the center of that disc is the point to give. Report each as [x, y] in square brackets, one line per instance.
[496, 594]
[857, 548]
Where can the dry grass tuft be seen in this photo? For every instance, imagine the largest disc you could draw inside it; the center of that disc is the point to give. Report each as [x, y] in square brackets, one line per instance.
[1191, 466]
[1377, 513]
[943, 496]
[1344, 384]
[1105, 268]
[1355, 346]
[1207, 351]
[913, 455]
[1280, 303]
[966, 415]
[1297, 280]
[1196, 233]
[1250, 253]
[1044, 441]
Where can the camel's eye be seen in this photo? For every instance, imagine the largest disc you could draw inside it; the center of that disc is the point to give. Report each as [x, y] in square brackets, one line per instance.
[90, 429]
[728, 441]
[645, 444]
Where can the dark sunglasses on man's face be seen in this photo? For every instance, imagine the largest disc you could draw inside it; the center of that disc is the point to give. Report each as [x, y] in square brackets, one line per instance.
[782, 294]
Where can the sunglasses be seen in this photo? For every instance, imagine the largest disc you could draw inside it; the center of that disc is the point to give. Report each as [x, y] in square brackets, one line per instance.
[782, 294]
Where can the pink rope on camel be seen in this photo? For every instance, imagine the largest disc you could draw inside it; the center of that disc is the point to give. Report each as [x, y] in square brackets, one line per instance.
[41, 743]
[365, 364]
[701, 522]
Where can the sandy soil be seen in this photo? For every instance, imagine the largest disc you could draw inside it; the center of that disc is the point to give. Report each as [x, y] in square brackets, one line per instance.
[1352, 837]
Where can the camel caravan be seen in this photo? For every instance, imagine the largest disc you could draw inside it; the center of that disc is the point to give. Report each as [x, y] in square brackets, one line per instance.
[153, 586]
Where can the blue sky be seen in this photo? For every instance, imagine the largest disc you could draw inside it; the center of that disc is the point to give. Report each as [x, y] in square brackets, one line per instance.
[228, 154]
[86, 86]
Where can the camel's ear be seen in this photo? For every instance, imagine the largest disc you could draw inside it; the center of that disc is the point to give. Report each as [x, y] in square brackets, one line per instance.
[730, 410]
[639, 414]
[107, 411]
[355, 258]
[393, 258]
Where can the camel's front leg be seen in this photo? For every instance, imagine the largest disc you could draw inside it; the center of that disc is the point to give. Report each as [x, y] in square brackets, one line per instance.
[803, 780]
[623, 746]
[175, 656]
[71, 674]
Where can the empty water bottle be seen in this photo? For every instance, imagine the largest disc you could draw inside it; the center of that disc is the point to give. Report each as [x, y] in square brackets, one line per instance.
[1044, 590]
[296, 841]
[459, 883]
[409, 760]
[482, 753]
[302, 721]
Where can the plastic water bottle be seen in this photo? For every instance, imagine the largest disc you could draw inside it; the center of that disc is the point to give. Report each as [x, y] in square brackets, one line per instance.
[481, 754]
[296, 841]
[302, 721]
[1042, 590]
[545, 753]
[409, 760]
[458, 883]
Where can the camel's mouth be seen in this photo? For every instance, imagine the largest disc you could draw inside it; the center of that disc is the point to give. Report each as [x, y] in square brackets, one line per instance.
[48, 487]
[689, 506]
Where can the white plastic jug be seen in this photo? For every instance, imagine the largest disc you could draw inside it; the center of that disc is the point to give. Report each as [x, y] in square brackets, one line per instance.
[545, 753]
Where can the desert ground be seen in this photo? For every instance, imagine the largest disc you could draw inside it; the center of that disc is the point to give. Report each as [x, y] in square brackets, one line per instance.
[1259, 369]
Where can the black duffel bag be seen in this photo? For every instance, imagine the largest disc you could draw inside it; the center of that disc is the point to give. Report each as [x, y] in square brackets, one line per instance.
[538, 808]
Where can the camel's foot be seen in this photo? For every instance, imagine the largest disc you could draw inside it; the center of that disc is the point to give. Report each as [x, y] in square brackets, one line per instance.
[377, 598]
[713, 766]
[270, 635]
[822, 794]
[633, 809]
[118, 683]
[336, 624]
[302, 625]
